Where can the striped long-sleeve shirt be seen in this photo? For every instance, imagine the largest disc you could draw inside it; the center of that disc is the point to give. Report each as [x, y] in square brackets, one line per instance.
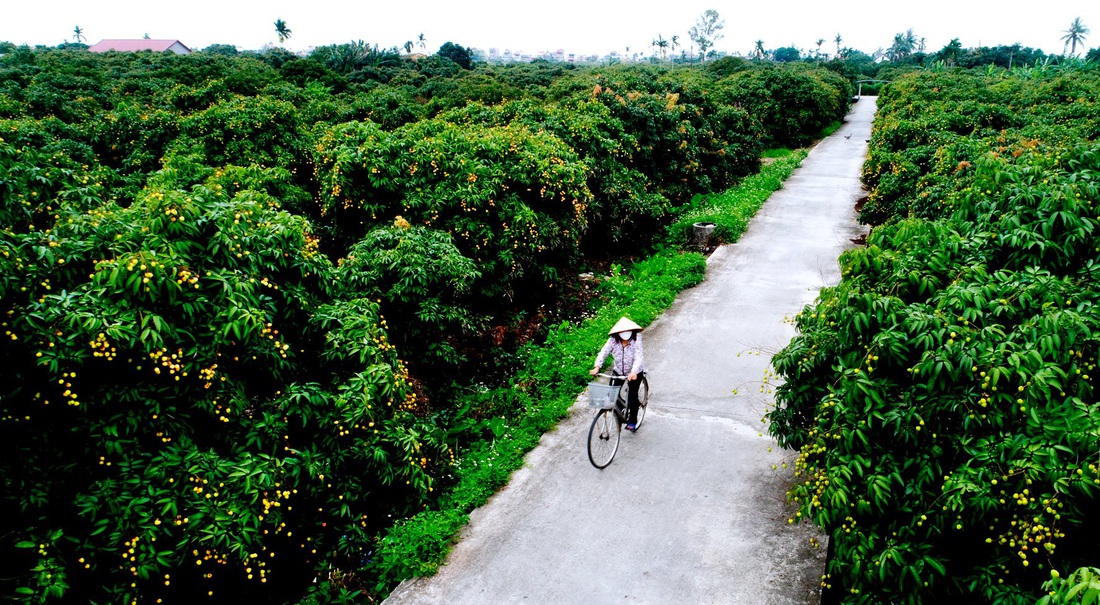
[627, 358]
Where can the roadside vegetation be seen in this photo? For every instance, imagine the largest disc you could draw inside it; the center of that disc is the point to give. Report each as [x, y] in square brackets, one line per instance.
[942, 396]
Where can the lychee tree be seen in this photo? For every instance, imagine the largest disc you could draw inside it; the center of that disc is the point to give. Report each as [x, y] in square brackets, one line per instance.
[187, 410]
[942, 395]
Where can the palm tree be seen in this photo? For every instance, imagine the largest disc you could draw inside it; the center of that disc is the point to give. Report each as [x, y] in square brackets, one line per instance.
[817, 53]
[661, 45]
[759, 51]
[838, 40]
[78, 35]
[1075, 35]
[282, 30]
[904, 45]
[422, 42]
[950, 53]
[408, 47]
[674, 43]
[346, 58]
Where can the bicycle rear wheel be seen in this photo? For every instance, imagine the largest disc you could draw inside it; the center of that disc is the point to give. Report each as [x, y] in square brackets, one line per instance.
[643, 399]
[603, 438]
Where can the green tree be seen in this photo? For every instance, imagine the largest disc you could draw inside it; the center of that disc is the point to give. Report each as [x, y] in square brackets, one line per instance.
[457, 53]
[786, 54]
[705, 32]
[1076, 34]
[661, 45]
[227, 50]
[342, 58]
[190, 395]
[419, 277]
[422, 42]
[282, 30]
[950, 54]
[408, 46]
[942, 395]
[838, 40]
[758, 51]
[1001, 56]
[904, 45]
[792, 103]
[78, 35]
[513, 200]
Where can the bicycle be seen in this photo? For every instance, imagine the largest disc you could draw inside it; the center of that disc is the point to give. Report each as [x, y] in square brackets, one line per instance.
[611, 415]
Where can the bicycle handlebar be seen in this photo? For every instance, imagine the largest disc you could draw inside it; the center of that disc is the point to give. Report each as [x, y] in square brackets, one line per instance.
[608, 376]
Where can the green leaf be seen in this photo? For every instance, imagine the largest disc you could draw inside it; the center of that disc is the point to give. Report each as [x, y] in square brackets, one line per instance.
[935, 564]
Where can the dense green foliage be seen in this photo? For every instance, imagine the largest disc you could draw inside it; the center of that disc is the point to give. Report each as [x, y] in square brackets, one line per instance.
[942, 395]
[930, 131]
[793, 103]
[258, 308]
[1081, 586]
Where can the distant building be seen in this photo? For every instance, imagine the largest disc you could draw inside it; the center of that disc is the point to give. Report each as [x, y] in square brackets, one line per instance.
[507, 55]
[129, 46]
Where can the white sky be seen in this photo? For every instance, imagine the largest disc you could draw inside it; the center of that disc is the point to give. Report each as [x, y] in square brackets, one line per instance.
[577, 26]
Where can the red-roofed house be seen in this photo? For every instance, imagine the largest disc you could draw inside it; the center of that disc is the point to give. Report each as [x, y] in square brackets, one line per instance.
[129, 46]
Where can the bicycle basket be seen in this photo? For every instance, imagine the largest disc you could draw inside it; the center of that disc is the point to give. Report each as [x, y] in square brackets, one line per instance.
[602, 395]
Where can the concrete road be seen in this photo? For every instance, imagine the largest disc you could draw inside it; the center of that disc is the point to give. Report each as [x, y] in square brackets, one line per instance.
[691, 510]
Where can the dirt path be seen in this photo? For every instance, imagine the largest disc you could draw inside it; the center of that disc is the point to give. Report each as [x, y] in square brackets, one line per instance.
[691, 510]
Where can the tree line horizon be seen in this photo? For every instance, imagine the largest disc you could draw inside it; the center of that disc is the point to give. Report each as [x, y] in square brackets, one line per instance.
[702, 37]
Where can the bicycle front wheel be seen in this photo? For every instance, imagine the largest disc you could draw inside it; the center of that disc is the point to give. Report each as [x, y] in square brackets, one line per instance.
[603, 438]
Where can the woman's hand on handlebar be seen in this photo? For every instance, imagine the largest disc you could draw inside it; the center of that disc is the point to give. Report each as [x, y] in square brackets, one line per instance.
[596, 372]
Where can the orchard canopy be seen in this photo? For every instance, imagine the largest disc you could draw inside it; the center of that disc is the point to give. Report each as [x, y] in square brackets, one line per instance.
[257, 310]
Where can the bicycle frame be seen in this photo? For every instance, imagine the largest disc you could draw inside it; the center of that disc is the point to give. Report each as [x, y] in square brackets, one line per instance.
[604, 434]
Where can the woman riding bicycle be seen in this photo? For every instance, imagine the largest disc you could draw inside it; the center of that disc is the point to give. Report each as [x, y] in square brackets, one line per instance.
[624, 344]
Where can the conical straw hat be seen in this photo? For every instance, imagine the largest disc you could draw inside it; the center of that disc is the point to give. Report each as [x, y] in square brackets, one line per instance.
[623, 325]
